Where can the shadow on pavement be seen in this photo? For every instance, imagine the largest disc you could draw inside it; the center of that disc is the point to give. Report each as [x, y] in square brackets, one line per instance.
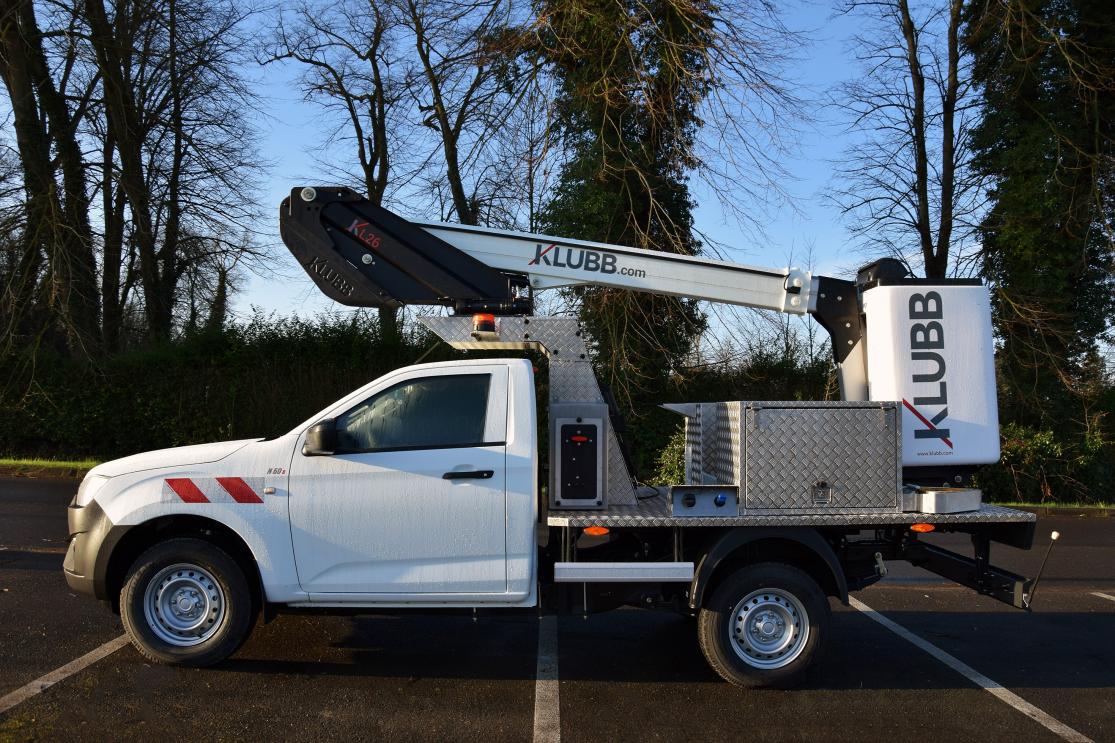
[1017, 650]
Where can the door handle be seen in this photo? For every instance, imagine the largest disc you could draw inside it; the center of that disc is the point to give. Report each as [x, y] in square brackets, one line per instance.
[468, 475]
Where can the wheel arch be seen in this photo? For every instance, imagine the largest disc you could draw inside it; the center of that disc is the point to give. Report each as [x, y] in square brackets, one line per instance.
[132, 541]
[801, 547]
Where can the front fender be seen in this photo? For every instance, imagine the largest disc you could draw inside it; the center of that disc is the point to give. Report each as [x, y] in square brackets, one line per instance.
[93, 540]
[244, 493]
[101, 551]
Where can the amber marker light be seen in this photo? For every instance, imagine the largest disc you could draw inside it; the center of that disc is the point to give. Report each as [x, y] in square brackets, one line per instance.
[483, 323]
[596, 531]
[922, 528]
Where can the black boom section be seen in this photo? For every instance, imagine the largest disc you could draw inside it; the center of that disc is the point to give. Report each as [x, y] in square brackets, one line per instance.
[362, 255]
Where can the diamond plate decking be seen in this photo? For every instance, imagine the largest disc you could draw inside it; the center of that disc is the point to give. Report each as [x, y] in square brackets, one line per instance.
[656, 512]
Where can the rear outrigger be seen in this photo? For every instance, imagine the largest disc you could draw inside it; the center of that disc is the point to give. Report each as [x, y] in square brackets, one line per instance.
[427, 488]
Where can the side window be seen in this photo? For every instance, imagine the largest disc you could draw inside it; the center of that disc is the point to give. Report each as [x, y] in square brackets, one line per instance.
[428, 412]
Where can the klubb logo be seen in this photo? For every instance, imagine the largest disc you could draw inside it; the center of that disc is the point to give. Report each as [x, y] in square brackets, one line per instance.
[927, 344]
[583, 259]
[559, 257]
[330, 275]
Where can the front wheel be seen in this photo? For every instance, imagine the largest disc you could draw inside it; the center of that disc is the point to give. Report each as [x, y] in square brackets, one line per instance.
[764, 625]
[186, 602]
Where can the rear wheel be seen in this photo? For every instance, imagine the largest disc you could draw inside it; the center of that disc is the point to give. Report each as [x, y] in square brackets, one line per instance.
[186, 602]
[764, 625]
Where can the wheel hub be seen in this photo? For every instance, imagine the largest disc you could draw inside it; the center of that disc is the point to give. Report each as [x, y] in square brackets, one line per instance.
[184, 605]
[770, 628]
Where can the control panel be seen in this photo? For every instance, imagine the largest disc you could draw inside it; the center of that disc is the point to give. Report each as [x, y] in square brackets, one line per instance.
[704, 500]
[577, 456]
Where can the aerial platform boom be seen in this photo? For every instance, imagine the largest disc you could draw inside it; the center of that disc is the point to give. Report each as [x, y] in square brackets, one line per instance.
[931, 343]
[363, 255]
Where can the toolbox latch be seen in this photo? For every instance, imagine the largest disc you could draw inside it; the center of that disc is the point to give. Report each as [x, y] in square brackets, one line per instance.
[822, 493]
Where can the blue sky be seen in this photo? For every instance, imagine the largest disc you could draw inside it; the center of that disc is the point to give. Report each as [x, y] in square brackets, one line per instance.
[292, 127]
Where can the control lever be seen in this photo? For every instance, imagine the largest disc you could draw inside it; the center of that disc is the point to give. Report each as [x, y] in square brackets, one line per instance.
[1028, 598]
[880, 566]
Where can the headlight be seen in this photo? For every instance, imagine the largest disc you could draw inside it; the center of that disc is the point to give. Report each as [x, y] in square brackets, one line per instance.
[88, 489]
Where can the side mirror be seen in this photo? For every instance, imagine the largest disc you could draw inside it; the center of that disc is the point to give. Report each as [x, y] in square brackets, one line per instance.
[321, 439]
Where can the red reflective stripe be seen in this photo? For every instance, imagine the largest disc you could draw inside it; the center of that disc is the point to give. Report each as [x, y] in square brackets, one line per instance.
[186, 490]
[578, 439]
[239, 490]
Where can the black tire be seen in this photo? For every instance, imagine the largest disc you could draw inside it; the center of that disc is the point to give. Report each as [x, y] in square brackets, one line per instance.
[214, 590]
[793, 603]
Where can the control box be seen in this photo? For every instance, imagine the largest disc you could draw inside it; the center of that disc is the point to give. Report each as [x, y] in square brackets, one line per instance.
[578, 465]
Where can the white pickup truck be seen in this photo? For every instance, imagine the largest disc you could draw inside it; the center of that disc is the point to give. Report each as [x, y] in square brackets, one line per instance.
[430, 487]
[420, 489]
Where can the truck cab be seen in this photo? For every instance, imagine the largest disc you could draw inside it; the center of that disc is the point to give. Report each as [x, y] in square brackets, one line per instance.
[418, 489]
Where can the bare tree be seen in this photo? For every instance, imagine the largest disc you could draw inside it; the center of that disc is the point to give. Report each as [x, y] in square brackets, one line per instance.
[751, 112]
[466, 87]
[57, 234]
[347, 51]
[349, 55]
[174, 104]
[908, 185]
[425, 94]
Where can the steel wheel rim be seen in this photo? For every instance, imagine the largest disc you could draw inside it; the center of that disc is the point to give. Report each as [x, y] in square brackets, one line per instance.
[769, 628]
[184, 605]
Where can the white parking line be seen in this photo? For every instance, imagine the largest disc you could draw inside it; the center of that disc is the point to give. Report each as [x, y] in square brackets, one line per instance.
[547, 712]
[23, 693]
[1107, 596]
[993, 687]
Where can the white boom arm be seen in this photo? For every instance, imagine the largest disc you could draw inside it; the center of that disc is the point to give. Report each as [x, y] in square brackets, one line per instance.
[361, 254]
[551, 262]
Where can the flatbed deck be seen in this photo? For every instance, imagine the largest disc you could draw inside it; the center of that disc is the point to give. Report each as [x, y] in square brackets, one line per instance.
[655, 511]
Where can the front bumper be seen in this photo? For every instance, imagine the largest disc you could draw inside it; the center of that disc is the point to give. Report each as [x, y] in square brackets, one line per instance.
[92, 536]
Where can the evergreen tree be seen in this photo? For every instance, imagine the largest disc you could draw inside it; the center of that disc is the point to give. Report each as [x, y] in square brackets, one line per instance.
[631, 76]
[1046, 70]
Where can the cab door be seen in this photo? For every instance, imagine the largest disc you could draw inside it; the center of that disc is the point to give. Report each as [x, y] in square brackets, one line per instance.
[412, 501]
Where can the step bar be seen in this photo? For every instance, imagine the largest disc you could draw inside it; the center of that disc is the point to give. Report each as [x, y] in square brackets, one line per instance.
[623, 572]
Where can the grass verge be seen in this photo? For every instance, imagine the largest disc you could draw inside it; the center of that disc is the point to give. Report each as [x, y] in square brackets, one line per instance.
[1067, 508]
[69, 468]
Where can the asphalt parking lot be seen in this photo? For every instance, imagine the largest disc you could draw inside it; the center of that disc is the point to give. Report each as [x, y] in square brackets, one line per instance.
[622, 675]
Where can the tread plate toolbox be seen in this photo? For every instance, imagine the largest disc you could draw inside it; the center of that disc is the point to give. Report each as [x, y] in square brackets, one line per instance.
[798, 457]
[821, 457]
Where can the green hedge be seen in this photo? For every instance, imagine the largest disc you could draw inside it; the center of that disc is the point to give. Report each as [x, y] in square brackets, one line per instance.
[257, 379]
[1039, 467]
[263, 377]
